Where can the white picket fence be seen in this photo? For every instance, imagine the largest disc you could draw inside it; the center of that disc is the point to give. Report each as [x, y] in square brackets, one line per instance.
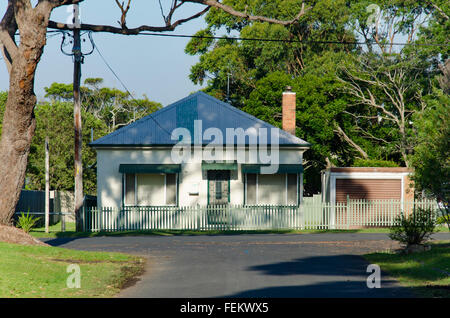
[312, 214]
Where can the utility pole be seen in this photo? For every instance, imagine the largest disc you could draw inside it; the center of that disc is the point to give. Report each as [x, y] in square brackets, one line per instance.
[77, 60]
[47, 187]
[78, 57]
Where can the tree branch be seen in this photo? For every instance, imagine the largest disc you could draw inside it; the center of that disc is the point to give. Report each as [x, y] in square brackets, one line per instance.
[8, 28]
[123, 18]
[244, 15]
[442, 13]
[171, 26]
[369, 135]
[126, 31]
[341, 132]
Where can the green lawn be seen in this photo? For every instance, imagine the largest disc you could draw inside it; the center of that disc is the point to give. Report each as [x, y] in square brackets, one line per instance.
[427, 273]
[55, 231]
[41, 271]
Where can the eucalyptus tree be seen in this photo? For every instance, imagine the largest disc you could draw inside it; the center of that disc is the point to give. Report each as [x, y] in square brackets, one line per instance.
[114, 107]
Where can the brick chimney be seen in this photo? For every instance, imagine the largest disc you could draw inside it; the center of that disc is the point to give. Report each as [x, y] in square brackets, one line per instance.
[288, 108]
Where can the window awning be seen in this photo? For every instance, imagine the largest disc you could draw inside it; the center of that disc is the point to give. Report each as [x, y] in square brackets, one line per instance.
[282, 168]
[219, 165]
[149, 168]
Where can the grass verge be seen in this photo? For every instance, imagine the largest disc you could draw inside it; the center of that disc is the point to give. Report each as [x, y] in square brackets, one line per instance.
[41, 271]
[427, 273]
[55, 232]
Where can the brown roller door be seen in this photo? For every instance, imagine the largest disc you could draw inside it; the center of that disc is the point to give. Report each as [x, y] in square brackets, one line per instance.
[368, 189]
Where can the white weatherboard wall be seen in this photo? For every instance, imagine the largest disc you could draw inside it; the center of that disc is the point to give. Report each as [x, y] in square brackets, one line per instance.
[191, 178]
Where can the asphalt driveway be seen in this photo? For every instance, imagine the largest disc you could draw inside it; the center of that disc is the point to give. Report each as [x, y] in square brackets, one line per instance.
[307, 265]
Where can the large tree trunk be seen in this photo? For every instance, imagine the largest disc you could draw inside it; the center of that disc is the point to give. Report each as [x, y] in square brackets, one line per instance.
[18, 121]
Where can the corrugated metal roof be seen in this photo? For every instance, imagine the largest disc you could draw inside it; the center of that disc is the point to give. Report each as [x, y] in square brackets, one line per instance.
[156, 128]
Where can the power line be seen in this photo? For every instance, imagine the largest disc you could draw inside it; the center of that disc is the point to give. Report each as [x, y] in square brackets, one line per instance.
[283, 40]
[124, 86]
[212, 37]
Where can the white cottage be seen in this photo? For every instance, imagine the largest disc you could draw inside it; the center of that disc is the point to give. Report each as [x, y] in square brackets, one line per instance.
[201, 151]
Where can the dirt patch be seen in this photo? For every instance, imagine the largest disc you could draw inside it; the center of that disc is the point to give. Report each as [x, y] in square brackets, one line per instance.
[11, 234]
[131, 274]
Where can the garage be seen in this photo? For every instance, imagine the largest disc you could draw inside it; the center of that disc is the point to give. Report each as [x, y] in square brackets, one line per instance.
[368, 189]
[366, 183]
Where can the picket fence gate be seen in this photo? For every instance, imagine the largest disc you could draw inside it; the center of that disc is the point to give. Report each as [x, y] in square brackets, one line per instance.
[311, 214]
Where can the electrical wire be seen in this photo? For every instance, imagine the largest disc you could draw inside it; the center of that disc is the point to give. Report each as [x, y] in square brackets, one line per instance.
[125, 87]
[306, 42]
[284, 41]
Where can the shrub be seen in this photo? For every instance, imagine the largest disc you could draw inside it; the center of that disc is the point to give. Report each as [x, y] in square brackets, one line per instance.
[415, 228]
[374, 163]
[26, 222]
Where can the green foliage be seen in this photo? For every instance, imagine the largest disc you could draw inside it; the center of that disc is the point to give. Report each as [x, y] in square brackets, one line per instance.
[319, 102]
[431, 158]
[415, 228]
[437, 31]
[26, 222]
[341, 128]
[374, 163]
[59, 92]
[114, 107]
[444, 219]
[55, 120]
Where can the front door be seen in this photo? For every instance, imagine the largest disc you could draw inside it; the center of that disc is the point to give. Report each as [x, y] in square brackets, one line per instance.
[218, 187]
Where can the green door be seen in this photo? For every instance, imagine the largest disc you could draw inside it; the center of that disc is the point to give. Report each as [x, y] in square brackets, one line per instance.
[218, 187]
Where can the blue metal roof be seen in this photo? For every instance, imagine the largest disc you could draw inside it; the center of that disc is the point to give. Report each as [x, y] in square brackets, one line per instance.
[156, 128]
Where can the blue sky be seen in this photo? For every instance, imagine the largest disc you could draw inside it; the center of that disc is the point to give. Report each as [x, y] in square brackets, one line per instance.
[155, 66]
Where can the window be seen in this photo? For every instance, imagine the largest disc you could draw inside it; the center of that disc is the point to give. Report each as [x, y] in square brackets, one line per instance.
[218, 190]
[271, 189]
[149, 189]
[129, 189]
[251, 188]
[171, 189]
[291, 188]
